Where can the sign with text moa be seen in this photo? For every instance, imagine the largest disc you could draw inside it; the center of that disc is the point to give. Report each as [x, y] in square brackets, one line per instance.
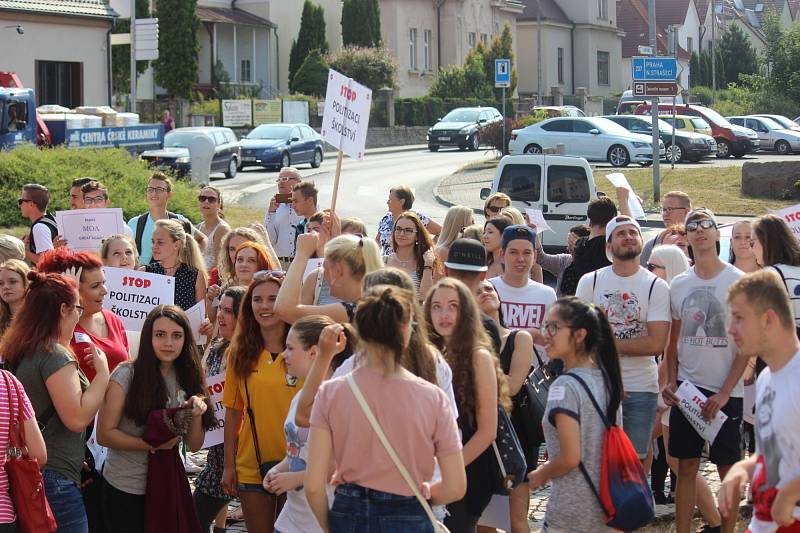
[237, 113]
[140, 136]
[346, 115]
[654, 68]
[133, 294]
[85, 229]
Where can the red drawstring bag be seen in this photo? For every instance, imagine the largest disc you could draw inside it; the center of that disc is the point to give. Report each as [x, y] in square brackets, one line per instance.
[624, 494]
[25, 482]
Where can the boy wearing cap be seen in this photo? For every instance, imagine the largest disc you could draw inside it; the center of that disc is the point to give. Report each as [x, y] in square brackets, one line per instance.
[636, 303]
[700, 351]
[523, 302]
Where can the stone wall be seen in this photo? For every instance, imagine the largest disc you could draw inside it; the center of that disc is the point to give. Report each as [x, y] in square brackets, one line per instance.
[396, 136]
[774, 179]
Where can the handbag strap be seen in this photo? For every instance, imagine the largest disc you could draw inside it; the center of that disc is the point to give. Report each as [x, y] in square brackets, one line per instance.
[387, 445]
[16, 434]
[251, 416]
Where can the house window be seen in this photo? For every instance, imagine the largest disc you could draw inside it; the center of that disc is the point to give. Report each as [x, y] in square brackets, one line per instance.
[689, 45]
[560, 65]
[471, 39]
[59, 82]
[485, 39]
[244, 73]
[602, 68]
[412, 48]
[426, 49]
[602, 9]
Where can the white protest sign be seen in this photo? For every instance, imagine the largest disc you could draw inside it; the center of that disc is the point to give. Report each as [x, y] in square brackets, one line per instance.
[196, 314]
[216, 386]
[536, 217]
[792, 217]
[312, 266]
[85, 229]
[346, 115]
[133, 294]
[99, 453]
[618, 179]
[691, 402]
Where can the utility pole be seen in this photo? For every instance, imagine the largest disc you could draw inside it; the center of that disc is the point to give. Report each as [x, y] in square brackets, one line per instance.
[713, 52]
[538, 53]
[651, 12]
[133, 56]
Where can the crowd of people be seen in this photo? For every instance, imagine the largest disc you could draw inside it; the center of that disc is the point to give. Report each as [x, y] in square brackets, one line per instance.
[367, 379]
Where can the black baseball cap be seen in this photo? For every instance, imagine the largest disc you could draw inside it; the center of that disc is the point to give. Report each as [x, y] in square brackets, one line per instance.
[468, 255]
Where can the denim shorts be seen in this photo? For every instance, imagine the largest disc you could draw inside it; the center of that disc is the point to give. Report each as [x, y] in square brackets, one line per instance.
[638, 418]
[66, 501]
[359, 509]
[252, 487]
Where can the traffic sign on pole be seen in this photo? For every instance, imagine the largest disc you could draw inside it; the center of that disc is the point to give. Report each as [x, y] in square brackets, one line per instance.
[502, 73]
[655, 88]
[654, 68]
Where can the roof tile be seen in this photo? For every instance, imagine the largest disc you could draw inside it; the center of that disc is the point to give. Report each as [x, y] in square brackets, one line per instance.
[84, 8]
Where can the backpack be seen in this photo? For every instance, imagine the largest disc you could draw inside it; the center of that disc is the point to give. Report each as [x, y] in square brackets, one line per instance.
[624, 493]
[48, 220]
[142, 222]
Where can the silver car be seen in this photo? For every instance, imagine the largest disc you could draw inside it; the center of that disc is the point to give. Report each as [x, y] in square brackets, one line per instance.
[772, 135]
[785, 122]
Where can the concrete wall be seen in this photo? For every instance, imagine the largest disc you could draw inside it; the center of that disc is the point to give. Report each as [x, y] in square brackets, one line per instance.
[588, 41]
[773, 179]
[79, 40]
[396, 136]
[554, 36]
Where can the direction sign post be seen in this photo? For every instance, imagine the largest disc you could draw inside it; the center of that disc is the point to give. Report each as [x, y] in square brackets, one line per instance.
[502, 78]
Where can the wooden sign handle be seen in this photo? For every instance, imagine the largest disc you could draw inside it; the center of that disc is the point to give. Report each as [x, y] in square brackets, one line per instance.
[336, 180]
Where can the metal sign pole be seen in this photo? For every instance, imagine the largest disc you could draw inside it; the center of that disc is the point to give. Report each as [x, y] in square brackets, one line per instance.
[133, 56]
[504, 122]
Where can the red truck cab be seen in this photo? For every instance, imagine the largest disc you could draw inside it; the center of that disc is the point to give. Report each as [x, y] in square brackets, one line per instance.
[731, 140]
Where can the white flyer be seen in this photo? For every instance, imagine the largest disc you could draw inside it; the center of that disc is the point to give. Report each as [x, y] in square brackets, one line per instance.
[196, 315]
[691, 402]
[99, 453]
[618, 179]
[536, 217]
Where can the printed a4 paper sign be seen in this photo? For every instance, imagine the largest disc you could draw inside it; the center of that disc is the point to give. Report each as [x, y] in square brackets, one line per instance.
[691, 402]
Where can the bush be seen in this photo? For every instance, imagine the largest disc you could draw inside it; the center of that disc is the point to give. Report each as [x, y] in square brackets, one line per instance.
[374, 67]
[493, 133]
[312, 77]
[55, 168]
[427, 110]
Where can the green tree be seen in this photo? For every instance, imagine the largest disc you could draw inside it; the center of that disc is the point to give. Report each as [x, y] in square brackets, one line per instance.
[695, 74]
[177, 65]
[705, 68]
[738, 55]
[121, 53]
[312, 77]
[774, 36]
[310, 37]
[374, 67]
[502, 48]
[467, 81]
[361, 23]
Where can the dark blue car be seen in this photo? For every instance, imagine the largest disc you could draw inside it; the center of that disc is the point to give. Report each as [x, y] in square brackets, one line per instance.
[281, 145]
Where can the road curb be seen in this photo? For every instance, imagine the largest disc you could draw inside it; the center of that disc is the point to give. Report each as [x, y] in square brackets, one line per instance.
[385, 149]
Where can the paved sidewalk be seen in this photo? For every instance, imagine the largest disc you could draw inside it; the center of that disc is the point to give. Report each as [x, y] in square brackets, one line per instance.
[464, 187]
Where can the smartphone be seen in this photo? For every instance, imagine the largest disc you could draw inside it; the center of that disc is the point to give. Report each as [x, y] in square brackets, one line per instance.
[283, 198]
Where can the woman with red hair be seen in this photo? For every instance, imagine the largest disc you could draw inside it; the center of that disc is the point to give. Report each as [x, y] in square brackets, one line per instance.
[250, 258]
[97, 326]
[36, 346]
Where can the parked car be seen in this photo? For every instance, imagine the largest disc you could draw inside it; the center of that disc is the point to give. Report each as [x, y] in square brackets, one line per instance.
[785, 122]
[281, 145]
[772, 135]
[731, 140]
[175, 154]
[460, 127]
[559, 110]
[687, 123]
[594, 138]
[688, 146]
[628, 102]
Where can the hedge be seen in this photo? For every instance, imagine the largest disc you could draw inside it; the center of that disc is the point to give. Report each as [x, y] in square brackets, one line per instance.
[125, 176]
[426, 110]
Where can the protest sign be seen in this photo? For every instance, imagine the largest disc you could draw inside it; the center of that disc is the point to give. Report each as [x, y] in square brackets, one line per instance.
[196, 314]
[618, 179]
[536, 217]
[216, 386]
[133, 294]
[792, 217]
[99, 453]
[691, 402]
[85, 229]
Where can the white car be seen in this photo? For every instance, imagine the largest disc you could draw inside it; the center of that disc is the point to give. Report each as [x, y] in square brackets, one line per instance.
[772, 135]
[785, 122]
[593, 138]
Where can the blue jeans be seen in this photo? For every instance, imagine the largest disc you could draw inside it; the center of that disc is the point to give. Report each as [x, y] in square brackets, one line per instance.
[64, 497]
[358, 509]
[638, 418]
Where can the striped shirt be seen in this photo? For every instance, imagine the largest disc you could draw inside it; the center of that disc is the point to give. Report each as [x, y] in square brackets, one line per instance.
[7, 514]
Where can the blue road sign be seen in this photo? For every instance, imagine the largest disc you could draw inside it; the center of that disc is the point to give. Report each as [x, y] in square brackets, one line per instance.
[502, 73]
[654, 68]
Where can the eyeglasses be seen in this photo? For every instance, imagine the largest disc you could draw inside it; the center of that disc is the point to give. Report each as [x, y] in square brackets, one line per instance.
[552, 328]
[673, 209]
[405, 231]
[209, 199]
[94, 199]
[705, 223]
[652, 266]
[288, 178]
[493, 209]
[22, 201]
[157, 190]
[79, 308]
[264, 274]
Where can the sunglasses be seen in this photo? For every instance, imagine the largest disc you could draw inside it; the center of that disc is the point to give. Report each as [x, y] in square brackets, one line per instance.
[209, 199]
[705, 223]
[265, 274]
[22, 201]
[651, 267]
[493, 209]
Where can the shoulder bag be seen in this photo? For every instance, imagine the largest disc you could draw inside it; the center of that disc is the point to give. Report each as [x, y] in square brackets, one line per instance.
[533, 399]
[263, 468]
[438, 527]
[26, 486]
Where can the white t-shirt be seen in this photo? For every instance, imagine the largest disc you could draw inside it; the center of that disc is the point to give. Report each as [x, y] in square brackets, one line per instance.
[777, 441]
[630, 303]
[42, 238]
[791, 278]
[296, 516]
[523, 307]
[705, 352]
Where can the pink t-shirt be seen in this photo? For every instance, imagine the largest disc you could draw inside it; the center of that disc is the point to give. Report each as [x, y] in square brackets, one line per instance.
[414, 414]
[115, 346]
[21, 405]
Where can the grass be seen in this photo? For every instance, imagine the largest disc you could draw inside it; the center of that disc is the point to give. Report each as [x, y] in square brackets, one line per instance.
[718, 188]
